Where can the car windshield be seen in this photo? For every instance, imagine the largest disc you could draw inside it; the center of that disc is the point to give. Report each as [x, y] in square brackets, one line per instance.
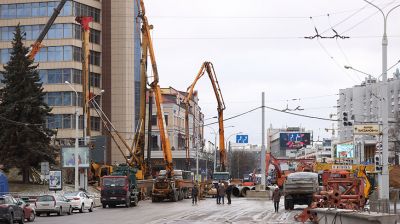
[69, 194]
[161, 185]
[114, 182]
[221, 176]
[45, 198]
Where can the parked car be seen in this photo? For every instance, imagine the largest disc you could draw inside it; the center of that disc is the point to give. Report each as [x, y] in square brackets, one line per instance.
[80, 201]
[47, 204]
[29, 211]
[10, 210]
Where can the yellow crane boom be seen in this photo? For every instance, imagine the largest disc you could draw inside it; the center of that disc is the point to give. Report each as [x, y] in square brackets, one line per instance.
[165, 144]
[209, 68]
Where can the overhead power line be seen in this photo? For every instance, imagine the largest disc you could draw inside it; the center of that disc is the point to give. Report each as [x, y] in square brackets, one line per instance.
[274, 109]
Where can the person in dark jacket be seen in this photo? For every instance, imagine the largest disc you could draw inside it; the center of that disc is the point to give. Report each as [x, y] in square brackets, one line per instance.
[221, 193]
[276, 197]
[195, 193]
[228, 192]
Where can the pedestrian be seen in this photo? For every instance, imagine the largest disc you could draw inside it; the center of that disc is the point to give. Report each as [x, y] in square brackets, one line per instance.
[195, 192]
[228, 191]
[276, 197]
[216, 194]
[221, 193]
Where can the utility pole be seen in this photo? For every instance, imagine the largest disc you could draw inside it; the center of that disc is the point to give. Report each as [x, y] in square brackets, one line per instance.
[384, 101]
[263, 184]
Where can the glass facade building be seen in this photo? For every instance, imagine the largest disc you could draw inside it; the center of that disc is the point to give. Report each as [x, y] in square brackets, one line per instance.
[114, 61]
[60, 59]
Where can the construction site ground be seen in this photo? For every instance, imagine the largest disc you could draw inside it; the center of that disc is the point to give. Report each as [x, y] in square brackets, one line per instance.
[242, 210]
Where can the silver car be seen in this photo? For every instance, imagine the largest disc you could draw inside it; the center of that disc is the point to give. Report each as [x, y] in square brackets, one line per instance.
[47, 204]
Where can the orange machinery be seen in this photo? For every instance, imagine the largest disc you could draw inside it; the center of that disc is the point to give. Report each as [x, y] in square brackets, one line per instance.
[209, 68]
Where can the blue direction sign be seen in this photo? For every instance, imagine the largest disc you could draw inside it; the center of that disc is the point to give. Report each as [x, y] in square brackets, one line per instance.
[242, 139]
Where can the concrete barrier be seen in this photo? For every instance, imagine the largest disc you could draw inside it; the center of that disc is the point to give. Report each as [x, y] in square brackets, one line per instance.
[254, 194]
[345, 216]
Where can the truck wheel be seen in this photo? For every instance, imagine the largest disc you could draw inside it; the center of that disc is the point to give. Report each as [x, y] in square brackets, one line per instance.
[135, 202]
[128, 203]
[154, 199]
[180, 195]
[286, 204]
[291, 204]
[104, 205]
[174, 196]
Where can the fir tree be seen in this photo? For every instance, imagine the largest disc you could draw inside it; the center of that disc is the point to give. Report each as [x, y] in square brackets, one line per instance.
[24, 139]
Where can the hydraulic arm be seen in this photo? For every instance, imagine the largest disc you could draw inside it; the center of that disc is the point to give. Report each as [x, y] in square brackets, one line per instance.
[35, 48]
[165, 144]
[209, 68]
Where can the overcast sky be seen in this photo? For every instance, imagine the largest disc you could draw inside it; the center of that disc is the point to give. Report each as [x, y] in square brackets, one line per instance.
[258, 45]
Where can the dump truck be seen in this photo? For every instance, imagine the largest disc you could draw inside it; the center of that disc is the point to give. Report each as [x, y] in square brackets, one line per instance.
[120, 187]
[175, 188]
[298, 189]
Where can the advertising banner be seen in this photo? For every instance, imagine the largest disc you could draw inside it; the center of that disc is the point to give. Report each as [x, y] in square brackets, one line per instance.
[294, 140]
[344, 150]
[68, 157]
[55, 180]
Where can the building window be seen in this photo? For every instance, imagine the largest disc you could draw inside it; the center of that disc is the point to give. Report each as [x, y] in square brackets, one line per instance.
[62, 99]
[57, 31]
[153, 120]
[43, 9]
[154, 143]
[4, 55]
[95, 123]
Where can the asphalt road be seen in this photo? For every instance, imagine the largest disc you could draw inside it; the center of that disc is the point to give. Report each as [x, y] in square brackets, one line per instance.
[241, 210]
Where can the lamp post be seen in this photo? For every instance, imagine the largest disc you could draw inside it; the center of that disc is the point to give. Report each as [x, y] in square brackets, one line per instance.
[76, 137]
[215, 144]
[384, 181]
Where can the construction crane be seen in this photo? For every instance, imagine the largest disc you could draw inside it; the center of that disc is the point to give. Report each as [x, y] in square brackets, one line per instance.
[147, 48]
[209, 68]
[37, 45]
[170, 184]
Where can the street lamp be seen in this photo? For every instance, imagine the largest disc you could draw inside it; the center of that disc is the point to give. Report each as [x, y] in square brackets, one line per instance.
[76, 137]
[384, 183]
[215, 144]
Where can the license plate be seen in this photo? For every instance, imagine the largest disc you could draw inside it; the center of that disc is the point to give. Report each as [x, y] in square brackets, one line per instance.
[45, 204]
[113, 198]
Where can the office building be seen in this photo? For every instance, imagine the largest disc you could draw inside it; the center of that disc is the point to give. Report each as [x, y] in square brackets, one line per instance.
[114, 61]
[362, 105]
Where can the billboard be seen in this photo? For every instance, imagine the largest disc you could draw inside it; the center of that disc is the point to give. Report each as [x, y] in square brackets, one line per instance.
[68, 157]
[294, 140]
[344, 150]
[55, 180]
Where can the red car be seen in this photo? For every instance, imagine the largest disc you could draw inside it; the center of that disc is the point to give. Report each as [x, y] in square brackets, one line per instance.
[29, 211]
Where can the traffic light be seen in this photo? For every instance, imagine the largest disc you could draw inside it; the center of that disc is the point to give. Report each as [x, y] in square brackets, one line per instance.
[345, 119]
[378, 162]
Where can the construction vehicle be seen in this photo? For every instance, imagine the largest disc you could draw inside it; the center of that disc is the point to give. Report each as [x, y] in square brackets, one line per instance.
[120, 187]
[168, 185]
[175, 188]
[341, 189]
[298, 189]
[217, 178]
[37, 45]
[99, 170]
[209, 68]
[280, 176]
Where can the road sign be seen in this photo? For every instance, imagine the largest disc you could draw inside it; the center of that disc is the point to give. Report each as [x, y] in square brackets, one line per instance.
[366, 129]
[242, 139]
